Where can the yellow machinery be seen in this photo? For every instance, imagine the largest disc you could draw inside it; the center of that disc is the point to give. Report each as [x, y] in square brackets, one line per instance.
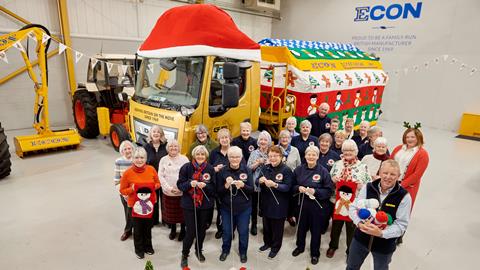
[45, 137]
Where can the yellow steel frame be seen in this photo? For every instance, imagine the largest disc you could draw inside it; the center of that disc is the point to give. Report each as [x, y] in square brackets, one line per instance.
[45, 138]
[64, 26]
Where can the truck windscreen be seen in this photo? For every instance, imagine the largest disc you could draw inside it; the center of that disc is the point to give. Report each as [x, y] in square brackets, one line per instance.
[170, 83]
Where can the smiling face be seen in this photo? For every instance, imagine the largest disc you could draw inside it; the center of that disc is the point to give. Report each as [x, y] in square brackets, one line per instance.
[234, 160]
[380, 148]
[322, 110]
[348, 154]
[411, 139]
[173, 149]
[305, 130]
[324, 145]
[389, 176]
[311, 157]
[224, 140]
[139, 161]
[274, 158]
[127, 151]
[245, 132]
[200, 157]
[348, 126]
[157, 135]
[339, 139]
[364, 128]
[284, 140]
[345, 195]
[262, 142]
[291, 125]
[202, 136]
[333, 127]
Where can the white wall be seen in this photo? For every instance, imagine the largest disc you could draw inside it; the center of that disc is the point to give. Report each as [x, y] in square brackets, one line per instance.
[436, 96]
[116, 26]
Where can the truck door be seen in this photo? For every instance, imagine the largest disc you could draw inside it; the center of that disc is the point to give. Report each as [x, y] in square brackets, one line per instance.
[216, 116]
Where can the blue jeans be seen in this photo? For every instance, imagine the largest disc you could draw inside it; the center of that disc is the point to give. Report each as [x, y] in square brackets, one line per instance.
[240, 222]
[358, 253]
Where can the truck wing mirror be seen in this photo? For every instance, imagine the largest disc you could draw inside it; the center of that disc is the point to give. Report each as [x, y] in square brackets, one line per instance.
[230, 95]
[231, 71]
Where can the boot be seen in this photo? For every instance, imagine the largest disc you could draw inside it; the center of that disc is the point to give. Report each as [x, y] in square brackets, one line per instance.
[173, 232]
[181, 235]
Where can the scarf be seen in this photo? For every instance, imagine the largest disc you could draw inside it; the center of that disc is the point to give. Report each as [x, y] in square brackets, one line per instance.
[197, 197]
[139, 169]
[286, 151]
[145, 207]
[380, 157]
[347, 169]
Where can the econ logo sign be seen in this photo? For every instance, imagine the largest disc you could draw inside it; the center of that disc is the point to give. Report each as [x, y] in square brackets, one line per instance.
[391, 12]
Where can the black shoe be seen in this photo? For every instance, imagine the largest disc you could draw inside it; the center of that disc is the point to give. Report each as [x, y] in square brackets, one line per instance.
[140, 255]
[253, 230]
[172, 235]
[200, 256]
[181, 235]
[399, 240]
[297, 252]
[314, 260]
[263, 248]
[243, 258]
[223, 256]
[218, 234]
[272, 254]
[150, 251]
[184, 261]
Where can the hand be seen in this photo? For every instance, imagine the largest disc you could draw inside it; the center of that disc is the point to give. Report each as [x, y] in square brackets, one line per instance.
[310, 191]
[302, 189]
[260, 161]
[229, 180]
[201, 185]
[270, 183]
[175, 190]
[335, 179]
[370, 229]
[262, 180]
[218, 167]
[239, 184]
[194, 183]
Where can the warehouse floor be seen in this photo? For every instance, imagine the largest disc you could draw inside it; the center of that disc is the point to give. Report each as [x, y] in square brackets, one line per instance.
[61, 211]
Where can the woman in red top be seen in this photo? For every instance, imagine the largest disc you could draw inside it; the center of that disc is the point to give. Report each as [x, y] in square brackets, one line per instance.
[413, 160]
[140, 174]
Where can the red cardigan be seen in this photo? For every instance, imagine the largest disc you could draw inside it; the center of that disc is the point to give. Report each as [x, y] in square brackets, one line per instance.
[415, 170]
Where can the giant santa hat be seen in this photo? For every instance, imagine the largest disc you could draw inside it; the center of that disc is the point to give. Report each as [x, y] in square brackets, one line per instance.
[198, 30]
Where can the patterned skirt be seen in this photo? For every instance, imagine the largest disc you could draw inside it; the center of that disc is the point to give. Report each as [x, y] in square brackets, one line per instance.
[172, 212]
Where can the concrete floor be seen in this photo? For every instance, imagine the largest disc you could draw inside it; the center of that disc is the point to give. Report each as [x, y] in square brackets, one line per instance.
[61, 211]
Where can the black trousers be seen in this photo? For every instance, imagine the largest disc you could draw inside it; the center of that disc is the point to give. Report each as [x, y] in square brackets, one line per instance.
[255, 208]
[203, 216]
[310, 220]
[273, 232]
[128, 215]
[142, 234]
[157, 206]
[337, 226]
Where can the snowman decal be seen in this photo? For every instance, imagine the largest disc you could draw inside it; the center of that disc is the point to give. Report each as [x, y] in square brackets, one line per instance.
[312, 109]
[338, 101]
[343, 203]
[143, 205]
[358, 99]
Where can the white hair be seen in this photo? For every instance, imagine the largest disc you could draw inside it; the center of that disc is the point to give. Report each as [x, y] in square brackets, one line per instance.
[124, 144]
[379, 141]
[266, 136]
[306, 123]
[350, 145]
[172, 142]
[234, 151]
[140, 152]
[198, 149]
[312, 148]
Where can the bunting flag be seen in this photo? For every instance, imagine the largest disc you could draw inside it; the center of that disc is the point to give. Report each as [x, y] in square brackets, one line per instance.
[32, 37]
[45, 38]
[93, 62]
[78, 55]
[473, 70]
[124, 69]
[445, 57]
[109, 66]
[19, 46]
[3, 56]
[61, 48]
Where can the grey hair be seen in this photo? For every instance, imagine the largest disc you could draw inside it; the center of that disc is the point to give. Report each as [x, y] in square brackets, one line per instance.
[350, 145]
[246, 124]
[198, 149]
[293, 119]
[201, 128]
[173, 142]
[162, 133]
[124, 144]
[392, 163]
[306, 123]
[380, 140]
[313, 148]
[235, 150]
[365, 122]
[373, 130]
[325, 136]
[266, 136]
[140, 152]
[284, 133]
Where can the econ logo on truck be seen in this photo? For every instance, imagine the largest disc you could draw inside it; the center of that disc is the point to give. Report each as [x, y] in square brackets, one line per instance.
[391, 12]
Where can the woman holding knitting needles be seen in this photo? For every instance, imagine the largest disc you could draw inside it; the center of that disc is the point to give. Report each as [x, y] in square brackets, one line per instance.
[234, 184]
[314, 187]
[275, 184]
[196, 181]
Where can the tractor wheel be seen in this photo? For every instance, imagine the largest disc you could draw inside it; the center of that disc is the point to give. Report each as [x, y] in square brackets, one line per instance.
[5, 163]
[85, 114]
[118, 134]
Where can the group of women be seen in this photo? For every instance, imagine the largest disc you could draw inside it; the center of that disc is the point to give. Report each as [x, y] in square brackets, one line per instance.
[297, 180]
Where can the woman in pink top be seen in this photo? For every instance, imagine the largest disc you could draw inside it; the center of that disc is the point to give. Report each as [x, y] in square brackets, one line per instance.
[168, 170]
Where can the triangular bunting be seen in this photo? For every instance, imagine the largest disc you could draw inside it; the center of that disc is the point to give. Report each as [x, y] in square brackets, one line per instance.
[3, 56]
[453, 61]
[45, 37]
[415, 68]
[19, 46]
[124, 69]
[462, 66]
[405, 70]
[61, 48]
[93, 62]
[473, 70]
[109, 66]
[445, 57]
[78, 55]
[32, 36]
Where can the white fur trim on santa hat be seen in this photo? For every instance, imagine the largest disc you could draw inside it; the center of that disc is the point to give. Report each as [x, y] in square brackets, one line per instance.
[202, 50]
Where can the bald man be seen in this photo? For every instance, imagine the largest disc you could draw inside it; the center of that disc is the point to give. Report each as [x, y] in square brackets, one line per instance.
[320, 122]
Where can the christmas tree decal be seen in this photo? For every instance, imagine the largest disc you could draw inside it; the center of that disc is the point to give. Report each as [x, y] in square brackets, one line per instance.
[149, 265]
[313, 82]
[359, 79]
[366, 95]
[348, 99]
[339, 81]
[268, 75]
[377, 79]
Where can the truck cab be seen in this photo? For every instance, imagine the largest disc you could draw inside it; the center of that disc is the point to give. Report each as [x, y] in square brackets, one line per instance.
[179, 93]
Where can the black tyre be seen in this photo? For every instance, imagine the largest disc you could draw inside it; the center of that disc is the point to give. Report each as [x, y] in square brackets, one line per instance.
[5, 164]
[118, 134]
[85, 114]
